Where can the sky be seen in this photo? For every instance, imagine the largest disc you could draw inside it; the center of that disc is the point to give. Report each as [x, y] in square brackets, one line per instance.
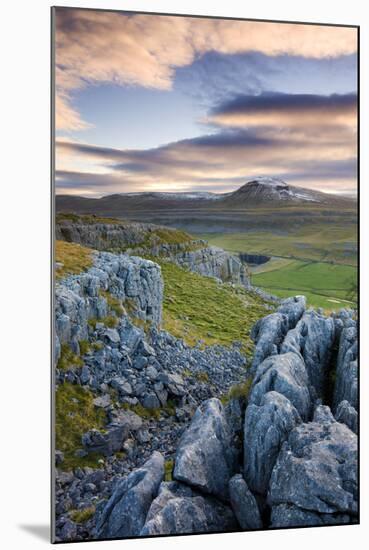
[164, 103]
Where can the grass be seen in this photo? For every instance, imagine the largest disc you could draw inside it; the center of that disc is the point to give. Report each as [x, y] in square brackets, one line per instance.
[168, 469]
[73, 258]
[75, 414]
[317, 259]
[319, 241]
[142, 411]
[202, 377]
[145, 413]
[81, 516]
[324, 285]
[88, 219]
[198, 308]
[84, 347]
[68, 359]
[109, 321]
[113, 302]
[238, 391]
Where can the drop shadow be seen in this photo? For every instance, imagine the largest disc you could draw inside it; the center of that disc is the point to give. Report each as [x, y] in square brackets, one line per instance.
[40, 531]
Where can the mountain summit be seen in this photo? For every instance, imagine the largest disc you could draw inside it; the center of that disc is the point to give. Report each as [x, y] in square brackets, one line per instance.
[266, 189]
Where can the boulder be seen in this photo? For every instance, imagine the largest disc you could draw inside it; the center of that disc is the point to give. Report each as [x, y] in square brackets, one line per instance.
[316, 469]
[289, 515]
[125, 512]
[130, 336]
[102, 401]
[206, 457]
[180, 510]
[244, 504]
[111, 440]
[121, 385]
[150, 401]
[267, 426]
[68, 531]
[112, 335]
[268, 334]
[293, 308]
[285, 374]
[348, 415]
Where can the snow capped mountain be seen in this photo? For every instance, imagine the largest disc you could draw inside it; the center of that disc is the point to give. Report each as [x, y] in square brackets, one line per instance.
[267, 189]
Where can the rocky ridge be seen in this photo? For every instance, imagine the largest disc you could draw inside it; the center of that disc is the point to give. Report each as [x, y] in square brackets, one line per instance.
[141, 239]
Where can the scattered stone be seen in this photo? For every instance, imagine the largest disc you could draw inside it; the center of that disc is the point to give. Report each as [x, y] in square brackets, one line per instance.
[112, 335]
[103, 401]
[150, 401]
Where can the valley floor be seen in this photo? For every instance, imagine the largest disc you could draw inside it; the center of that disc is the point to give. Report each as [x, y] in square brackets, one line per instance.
[319, 262]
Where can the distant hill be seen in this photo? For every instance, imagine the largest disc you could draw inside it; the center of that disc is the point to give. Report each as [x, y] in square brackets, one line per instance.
[198, 212]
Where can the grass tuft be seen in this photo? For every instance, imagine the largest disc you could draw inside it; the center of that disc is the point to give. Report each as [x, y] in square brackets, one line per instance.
[238, 391]
[168, 469]
[81, 516]
[75, 414]
[68, 359]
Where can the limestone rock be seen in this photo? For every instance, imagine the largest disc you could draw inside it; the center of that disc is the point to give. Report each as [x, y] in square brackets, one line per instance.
[244, 504]
[316, 469]
[206, 457]
[289, 515]
[267, 426]
[125, 513]
[346, 386]
[293, 308]
[285, 374]
[348, 415]
[179, 510]
[268, 334]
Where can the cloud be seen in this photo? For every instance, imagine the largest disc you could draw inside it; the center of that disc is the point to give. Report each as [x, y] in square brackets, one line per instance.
[219, 162]
[286, 110]
[110, 47]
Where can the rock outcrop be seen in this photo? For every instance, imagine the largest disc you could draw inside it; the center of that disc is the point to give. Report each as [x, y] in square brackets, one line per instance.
[316, 469]
[178, 509]
[346, 387]
[148, 239]
[206, 457]
[80, 298]
[285, 374]
[267, 426]
[125, 512]
[244, 504]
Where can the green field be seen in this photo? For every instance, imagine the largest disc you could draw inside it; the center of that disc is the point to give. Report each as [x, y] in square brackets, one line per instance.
[317, 260]
[320, 242]
[324, 285]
